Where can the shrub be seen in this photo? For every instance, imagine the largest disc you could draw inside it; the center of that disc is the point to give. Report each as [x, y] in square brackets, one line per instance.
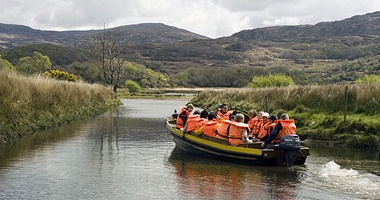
[132, 86]
[368, 79]
[271, 80]
[60, 75]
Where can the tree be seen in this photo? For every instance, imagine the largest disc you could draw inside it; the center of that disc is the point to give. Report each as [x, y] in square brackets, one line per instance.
[38, 63]
[106, 51]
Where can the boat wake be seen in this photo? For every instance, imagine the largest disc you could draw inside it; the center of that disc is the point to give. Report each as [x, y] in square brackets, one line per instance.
[365, 185]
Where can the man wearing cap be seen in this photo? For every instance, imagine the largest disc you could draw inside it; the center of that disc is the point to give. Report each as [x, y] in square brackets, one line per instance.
[183, 115]
[285, 126]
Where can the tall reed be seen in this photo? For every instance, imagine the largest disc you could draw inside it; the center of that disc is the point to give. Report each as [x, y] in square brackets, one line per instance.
[361, 98]
[31, 103]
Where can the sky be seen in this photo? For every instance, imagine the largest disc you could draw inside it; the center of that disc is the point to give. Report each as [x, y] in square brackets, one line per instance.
[211, 18]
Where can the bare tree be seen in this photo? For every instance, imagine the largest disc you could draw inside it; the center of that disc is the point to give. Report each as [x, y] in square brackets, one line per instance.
[106, 51]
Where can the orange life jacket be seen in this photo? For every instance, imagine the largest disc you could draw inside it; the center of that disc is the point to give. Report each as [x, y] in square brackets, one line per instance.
[225, 116]
[209, 128]
[256, 125]
[263, 130]
[222, 131]
[194, 122]
[288, 128]
[252, 123]
[179, 122]
[236, 131]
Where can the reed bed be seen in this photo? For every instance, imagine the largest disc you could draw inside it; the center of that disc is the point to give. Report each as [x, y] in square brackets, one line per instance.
[30, 103]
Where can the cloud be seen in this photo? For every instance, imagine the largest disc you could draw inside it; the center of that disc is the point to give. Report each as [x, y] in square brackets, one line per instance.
[212, 18]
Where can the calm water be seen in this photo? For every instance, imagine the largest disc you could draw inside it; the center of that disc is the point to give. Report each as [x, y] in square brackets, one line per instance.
[127, 154]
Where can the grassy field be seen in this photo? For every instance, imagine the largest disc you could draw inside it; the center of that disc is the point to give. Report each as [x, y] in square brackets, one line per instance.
[30, 103]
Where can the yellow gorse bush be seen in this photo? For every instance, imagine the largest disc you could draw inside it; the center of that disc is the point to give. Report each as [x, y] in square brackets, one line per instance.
[60, 75]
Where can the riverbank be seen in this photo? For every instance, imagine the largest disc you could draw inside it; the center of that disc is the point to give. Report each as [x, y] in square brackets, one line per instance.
[340, 115]
[31, 103]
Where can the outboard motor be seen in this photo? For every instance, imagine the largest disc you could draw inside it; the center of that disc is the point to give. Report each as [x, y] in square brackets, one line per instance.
[289, 146]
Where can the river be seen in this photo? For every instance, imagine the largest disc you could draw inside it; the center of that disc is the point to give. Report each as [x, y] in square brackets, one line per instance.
[127, 154]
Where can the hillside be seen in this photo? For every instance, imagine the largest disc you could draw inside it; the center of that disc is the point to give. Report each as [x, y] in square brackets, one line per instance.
[12, 36]
[327, 52]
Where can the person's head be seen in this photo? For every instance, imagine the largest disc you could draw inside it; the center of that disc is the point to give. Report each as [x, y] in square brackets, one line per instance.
[260, 115]
[284, 116]
[272, 118]
[239, 117]
[204, 114]
[211, 116]
[197, 112]
[265, 117]
[252, 113]
[224, 108]
[190, 107]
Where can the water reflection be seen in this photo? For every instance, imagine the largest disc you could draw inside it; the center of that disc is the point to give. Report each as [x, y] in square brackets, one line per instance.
[127, 154]
[199, 178]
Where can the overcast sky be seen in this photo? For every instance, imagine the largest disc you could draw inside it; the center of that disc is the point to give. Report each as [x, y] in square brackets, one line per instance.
[211, 18]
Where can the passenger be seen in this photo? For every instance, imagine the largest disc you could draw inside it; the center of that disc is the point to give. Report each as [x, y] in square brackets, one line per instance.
[209, 127]
[255, 129]
[263, 128]
[194, 122]
[285, 126]
[239, 130]
[223, 131]
[273, 122]
[204, 114]
[182, 116]
[252, 115]
[224, 113]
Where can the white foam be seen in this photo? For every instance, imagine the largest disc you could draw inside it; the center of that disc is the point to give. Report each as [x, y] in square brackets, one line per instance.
[349, 180]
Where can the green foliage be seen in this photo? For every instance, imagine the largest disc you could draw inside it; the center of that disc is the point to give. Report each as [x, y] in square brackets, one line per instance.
[6, 65]
[271, 80]
[58, 55]
[132, 87]
[38, 63]
[368, 79]
[60, 75]
[362, 141]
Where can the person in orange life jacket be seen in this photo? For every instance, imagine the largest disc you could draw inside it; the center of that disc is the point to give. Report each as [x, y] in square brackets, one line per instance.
[223, 130]
[194, 121]
[209, 127]
[255, 128]
[263, 128]
[285, 126]
[239, 131]
[223, 112]
[252, 115]
[182, 115]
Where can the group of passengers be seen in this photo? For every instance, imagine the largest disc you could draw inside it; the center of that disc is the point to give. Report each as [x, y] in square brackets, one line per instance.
[227, 125]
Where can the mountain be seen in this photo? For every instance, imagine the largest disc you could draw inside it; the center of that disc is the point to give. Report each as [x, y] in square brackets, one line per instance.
[360, 25]
[12, 36]
[327, 52]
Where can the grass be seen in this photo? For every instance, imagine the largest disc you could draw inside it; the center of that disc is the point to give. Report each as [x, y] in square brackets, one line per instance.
[318, 111]
[30, 103]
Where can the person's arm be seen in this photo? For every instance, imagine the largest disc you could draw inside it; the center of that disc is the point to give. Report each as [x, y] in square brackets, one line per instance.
[244, 135]
[273, 134]
[184, 128]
